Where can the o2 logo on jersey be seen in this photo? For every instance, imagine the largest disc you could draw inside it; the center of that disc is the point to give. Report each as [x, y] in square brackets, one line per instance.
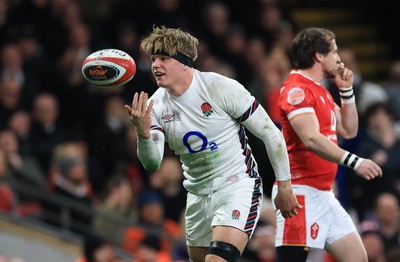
[206, 144]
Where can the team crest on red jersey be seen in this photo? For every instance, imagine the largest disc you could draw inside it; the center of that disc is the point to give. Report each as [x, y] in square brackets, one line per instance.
[235, 214]
[206, 109]
[295, 96]
[314, 230]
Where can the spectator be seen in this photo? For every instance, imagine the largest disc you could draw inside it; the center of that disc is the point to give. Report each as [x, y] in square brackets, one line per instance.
[135, 11]
[69, 180]
[380, 143]
[6, 27]
[41, 74]
[46, 131]
[257, 52]
[116, 212]
[373, 241]
[392, 88]
[12, 66]
[23, 169]
[152, 221]
[235, 43]
[150, 250]
[387, 213]
[6, 191]
[78, 49]
[374, 245]
[262, 246]
[108, 142]
[168, 181]
[10, 94]
[70, 15]
[20, 124]
[96, 249]
[168, 13]
[215, 21]
[271, 24]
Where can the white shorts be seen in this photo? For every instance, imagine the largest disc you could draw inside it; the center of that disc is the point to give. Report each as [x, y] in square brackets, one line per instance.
[321, 221]
[237, 205]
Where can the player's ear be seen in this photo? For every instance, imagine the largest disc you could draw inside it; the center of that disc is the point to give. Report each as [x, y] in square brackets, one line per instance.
[318, 57]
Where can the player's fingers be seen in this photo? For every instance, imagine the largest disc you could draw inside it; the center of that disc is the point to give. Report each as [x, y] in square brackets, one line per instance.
[379, 170]
[371, 174]
[144, 102]
[341, 67]
[349, 74]
[346, 73]
[151, 103]
[376, 171]
[128, 110]
[140, 103]
[134, 101]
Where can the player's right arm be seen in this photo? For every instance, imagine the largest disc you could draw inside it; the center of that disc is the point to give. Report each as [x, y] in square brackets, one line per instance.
[307, 129]
[151, 150]
[150, 143]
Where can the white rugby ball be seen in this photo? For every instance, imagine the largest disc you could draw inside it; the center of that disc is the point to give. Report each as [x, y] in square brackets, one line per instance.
[108, 68]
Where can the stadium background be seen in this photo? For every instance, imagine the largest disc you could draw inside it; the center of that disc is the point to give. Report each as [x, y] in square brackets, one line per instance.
[43, 43]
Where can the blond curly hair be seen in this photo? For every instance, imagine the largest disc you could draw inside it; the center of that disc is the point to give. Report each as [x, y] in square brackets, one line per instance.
[170, 41]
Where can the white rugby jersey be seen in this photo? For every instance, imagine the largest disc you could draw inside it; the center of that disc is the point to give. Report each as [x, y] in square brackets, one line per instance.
[203, 126]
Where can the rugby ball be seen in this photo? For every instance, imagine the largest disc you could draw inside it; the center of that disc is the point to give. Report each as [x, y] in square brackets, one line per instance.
[108, 68]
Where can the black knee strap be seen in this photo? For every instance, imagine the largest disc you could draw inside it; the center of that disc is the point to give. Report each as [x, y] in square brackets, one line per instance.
[225, 250]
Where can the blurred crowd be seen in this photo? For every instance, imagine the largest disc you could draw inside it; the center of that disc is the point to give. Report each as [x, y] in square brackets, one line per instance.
[73, 143]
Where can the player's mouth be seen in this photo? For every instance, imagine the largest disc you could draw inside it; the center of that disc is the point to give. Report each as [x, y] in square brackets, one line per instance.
[158, 74]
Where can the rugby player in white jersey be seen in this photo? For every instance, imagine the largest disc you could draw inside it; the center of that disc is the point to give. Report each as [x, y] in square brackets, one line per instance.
[202, 116]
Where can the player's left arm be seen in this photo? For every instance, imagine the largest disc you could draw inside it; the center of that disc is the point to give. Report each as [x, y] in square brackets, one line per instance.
[236, 101]
[346, 115]
[346, 120]
[260, 124]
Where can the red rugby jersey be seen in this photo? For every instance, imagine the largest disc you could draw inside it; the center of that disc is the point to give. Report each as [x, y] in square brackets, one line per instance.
[301, 95]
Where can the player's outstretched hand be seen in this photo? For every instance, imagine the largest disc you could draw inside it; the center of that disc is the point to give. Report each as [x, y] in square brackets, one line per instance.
[368, 170]
[286, 200]
[139, 114]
